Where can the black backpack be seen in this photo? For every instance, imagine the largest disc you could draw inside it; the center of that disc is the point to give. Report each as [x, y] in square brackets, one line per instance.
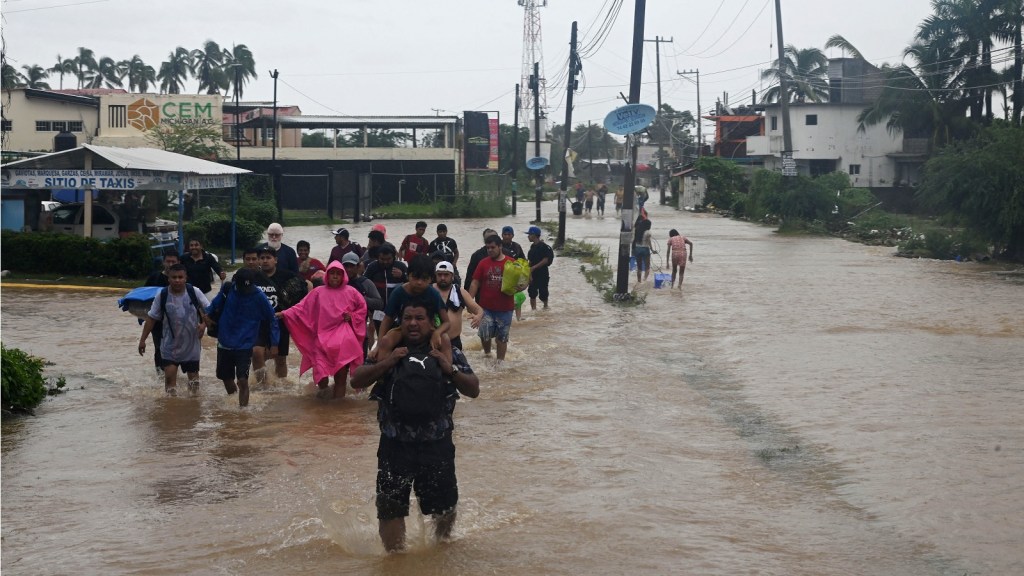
[416, 388]
[213, 318]
[191, 296]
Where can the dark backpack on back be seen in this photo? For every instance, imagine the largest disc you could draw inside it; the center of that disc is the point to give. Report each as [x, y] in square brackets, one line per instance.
[191, 296]
[213, 318]
[417, 391]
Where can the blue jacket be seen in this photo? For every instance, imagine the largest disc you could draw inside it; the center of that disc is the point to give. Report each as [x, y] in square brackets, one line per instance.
[239, 324]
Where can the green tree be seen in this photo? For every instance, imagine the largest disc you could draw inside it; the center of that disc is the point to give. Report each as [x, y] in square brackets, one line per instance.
[375, 138]
[35, 77]
[725, 181]
[980, 183]
[11, 77]
[62, 67]
[238, 63]
[208, 66]
[139, 74]
[806, 74]
[85, 66]
[108, 73]
[175, 71]
[204, 142]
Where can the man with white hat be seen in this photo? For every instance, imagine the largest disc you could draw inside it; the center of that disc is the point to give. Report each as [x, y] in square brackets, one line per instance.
[286, 256]
[456, 299]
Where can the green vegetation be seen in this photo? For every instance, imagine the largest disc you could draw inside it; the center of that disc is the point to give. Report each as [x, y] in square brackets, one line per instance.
[40, 252]
[462, 206]
[214, 229]
[597, 271]
[23, 384]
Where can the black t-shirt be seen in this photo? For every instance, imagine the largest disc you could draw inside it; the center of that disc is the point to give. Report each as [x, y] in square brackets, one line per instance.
[638, 232]
[383, 279]
[284, 288]
[538, 252]
[513, 250]
[445, 245]
[200, 272]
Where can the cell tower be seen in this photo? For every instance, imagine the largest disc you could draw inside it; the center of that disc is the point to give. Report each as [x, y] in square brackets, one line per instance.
[532, 52]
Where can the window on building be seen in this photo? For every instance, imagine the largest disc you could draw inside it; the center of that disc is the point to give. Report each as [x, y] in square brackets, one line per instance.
[268, 134]
[117, 116]
[59, 125]
[75, 126]
[854, 169]
[775, 122]
[812, 119]
[7, 126]
[42, 125]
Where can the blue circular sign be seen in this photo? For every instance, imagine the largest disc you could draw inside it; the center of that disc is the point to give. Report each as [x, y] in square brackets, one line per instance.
[537, 163]
[629, 119]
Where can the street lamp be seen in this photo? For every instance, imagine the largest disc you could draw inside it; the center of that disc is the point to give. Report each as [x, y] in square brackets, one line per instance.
[400, 182]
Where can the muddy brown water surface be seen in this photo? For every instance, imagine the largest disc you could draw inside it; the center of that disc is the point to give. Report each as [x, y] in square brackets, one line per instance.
[802, 406]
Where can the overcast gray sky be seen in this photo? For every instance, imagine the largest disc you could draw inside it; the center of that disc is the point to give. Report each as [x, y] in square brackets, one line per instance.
[390, 57]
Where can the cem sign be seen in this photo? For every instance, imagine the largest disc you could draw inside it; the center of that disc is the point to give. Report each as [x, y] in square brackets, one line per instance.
[629, 119]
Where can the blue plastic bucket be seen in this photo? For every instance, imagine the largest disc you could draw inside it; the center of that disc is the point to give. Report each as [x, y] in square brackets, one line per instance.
[662, 280]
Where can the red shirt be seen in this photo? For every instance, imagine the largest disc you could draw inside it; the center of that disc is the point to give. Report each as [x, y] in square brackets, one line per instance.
[412, 245]
[488, 273]
[314, 267]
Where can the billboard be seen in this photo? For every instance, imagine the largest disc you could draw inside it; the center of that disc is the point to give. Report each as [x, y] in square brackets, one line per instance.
[477, 143]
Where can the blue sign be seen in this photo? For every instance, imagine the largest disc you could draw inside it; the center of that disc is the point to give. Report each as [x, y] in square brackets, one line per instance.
[629, 119]
[537, 163]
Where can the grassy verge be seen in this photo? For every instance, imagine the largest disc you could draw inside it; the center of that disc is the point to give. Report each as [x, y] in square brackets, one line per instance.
[596, 269]
[65, 280]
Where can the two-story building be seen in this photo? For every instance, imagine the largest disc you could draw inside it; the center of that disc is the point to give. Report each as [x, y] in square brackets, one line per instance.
[827, 136]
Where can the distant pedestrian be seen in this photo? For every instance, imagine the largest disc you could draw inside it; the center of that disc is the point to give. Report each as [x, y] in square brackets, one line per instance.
[588, 203]
[677, 254]
[286, 256]
[307, 266]
[512, 249]
[619, 195]
[445, 245]
[414, 244]
[540, 257]
[642, 245]
[343, 246]
[602, 193]
[181, 307]
[161, 278]
[200, 266]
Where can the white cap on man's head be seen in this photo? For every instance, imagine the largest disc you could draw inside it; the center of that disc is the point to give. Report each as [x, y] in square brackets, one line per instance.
[444, 267]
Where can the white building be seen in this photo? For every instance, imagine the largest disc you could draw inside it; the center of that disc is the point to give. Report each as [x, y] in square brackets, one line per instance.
[827, 136]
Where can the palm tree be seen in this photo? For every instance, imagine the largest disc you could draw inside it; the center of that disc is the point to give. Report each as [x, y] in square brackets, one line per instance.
[35, 76]
[11, 77]
[62, 67]
[1011, 21]
[140, 75]
[175, 71]
[109, 73]
[85, 66]
[208, 68]
[922, 101]
[238, 64]
[968, 27]
[806, 74]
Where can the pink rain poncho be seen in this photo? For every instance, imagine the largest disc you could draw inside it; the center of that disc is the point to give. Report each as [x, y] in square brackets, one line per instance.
[327, 342]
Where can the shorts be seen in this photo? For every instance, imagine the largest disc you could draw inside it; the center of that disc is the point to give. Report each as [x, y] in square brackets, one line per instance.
[233, 364]
[641, 252]
[426, 467]
[539, 287]
[495, 325]
[188, 366]
[264, 338]
[457, 342]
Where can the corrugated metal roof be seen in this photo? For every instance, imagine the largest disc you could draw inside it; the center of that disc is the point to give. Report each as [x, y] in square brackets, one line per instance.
[370, 121]
[109, 158]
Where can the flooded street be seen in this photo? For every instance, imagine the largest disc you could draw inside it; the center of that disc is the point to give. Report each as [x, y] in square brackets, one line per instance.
[803, 406]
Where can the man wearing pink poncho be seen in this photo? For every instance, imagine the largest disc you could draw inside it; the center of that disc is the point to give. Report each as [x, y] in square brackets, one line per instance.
[328, 327]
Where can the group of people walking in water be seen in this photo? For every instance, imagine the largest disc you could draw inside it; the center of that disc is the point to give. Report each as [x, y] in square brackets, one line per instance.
[378, 316]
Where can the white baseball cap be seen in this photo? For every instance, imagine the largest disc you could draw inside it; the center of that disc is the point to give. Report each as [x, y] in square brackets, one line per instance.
[445, 267]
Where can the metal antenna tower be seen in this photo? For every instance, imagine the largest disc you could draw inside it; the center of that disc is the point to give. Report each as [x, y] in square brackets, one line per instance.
[532, 52]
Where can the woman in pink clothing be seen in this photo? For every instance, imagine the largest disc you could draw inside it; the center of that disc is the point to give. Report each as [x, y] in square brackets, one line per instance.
[328, 326]
[677, 254]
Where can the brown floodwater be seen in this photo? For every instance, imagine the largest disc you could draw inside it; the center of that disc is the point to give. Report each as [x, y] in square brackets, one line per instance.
[803, 406]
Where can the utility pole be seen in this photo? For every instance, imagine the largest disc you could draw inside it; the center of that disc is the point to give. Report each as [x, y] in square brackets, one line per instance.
[657, 60]
[590, 151]
[788, 165]
[629, 186]
[570, 88]
[515, 153]
[700, 140]
[538, 174]
[273, 155]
